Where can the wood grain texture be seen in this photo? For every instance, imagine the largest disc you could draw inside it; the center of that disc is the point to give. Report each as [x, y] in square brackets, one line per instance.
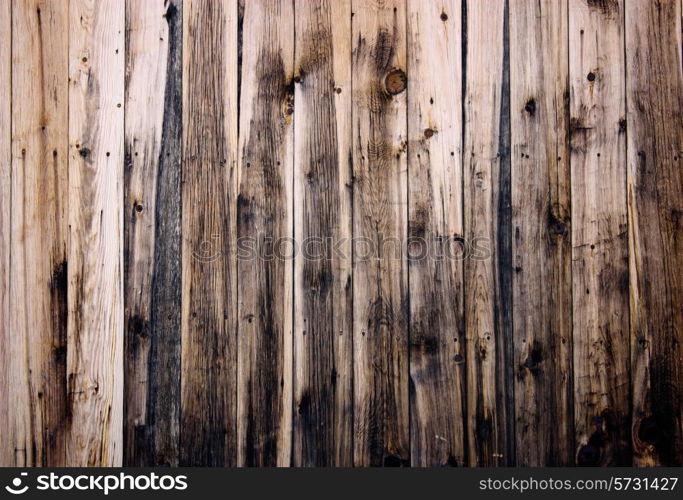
[380, 285]
[323, 348]
[152, 262]
[435, 235]
[95, 274]
[599, 233]
[208, 406]
[655, 211]
[488, 292]
[265, 224]
[38, 295]
[539, 100]
[7, 408]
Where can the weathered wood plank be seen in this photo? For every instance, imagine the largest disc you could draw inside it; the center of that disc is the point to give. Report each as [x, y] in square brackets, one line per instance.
[7, 407]
[95, 293]
[539, 97]
[38, 295]
[265, 224]
[380, 285]
[599, 244]
[435, 235]
[654, 90]
[487, 221]
[208, 426]
[152, 265]
[323, 349]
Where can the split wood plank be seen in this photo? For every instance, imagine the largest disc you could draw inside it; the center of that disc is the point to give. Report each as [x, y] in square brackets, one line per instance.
[323, 352]
[599, 233]
[487, 233]
[654, 90]
[265, 226]
[95, 273]
[435, 235]
[209, 298]
[8, 408]
[380, 285]
[152, 287]
[539, 72]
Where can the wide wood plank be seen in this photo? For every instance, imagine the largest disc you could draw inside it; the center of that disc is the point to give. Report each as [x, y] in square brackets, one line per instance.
[380, 285]
[487, 221]
[435, 235]
[152, 231]
[208, 426]
[654, 90]
[323, 349]
[7, 408]
[95, 274]
[265, 227]
[599, 243]
[541, 248]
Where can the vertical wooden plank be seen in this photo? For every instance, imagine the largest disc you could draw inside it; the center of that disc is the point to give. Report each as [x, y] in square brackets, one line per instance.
[599, 251]
[207, 429]
[654, 85]
[152, 287]
[38, 295]
[7, 456]
[435, 234]
[323, 352]
[264, 215]
[487, 233]
[539, 72]
[95, 319]
[380, 286]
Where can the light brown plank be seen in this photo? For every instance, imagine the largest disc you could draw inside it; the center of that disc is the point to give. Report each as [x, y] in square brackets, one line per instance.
[486, 218]
[599, 243]
[323, 349]
[95, 319]
[152, 289]
[38, 301]
[264, 219]
[208, 366]
[7, 456]
[380, 285]
[435, 234]
[654, 90]
[539, 101]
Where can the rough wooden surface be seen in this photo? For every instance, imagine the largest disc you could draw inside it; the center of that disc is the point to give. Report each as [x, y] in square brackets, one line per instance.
[95, 271]
[541, 245]
[599, 233]
[323, 356]
[435, 235]
[152, 262]
[655, 212]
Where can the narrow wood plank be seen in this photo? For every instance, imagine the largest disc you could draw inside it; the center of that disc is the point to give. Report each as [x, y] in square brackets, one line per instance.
[95, 281]
[323, 352]
[435, 234]
[209, 300]
[655, 211]
[7, 456]
[487, 221]
[380, 285]
[38, 295]
[265, 224]
[540, 179]
[599, 244]
[152, 265]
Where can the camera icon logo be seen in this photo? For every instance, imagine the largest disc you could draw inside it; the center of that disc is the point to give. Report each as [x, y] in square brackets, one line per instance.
[15, 488]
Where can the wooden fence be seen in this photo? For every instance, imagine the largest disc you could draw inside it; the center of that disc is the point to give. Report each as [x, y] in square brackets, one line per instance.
[341, 232]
